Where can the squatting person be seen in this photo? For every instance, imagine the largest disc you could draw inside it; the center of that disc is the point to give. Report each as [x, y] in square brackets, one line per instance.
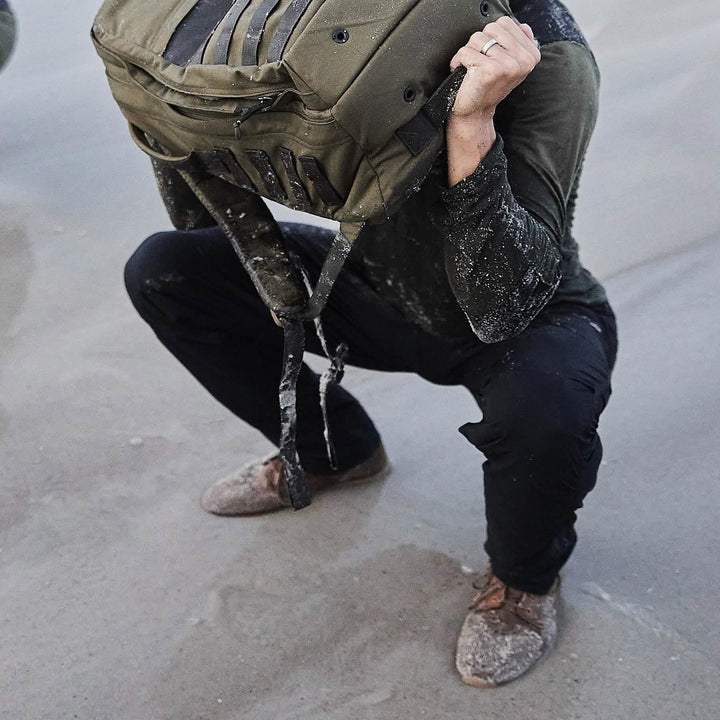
[475, 281]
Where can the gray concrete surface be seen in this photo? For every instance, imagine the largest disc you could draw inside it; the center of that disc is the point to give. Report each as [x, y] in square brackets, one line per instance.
[120, 599]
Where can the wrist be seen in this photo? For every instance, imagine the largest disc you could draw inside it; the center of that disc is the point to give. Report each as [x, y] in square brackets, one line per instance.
[471, 121]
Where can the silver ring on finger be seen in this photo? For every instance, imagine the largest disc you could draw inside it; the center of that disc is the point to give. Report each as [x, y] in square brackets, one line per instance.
[488, 45]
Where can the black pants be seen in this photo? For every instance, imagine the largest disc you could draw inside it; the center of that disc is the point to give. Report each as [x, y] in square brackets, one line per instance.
[541, 393]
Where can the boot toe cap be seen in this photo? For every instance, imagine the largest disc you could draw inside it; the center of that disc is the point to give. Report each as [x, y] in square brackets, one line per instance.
[240, 494]
[490, 654]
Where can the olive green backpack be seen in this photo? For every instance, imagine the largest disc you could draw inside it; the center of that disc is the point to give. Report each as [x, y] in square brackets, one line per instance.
[332, 107]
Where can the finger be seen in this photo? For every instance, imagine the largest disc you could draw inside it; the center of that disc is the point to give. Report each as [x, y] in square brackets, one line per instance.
[507, 33]
[516, 28]
[522, 32]
[528, 31]
[535, 49]
[513, 38]
[467, 57]
[479, 40]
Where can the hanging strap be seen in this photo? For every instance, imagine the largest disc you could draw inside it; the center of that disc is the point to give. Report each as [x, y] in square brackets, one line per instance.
[334, 374]
[256, 239]
[294, 347]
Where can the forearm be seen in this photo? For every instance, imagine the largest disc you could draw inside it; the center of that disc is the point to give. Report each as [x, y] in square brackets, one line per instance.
[468, 142]
[502, 263]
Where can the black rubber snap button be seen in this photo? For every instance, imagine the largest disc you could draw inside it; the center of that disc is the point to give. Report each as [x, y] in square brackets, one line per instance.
[340, 36]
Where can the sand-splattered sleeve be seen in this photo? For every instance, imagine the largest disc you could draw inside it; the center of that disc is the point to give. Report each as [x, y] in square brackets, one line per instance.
[505, 222]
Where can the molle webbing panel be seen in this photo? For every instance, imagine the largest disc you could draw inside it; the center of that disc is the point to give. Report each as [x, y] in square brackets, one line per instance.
[287, 24]
[222, 46]
[194, 30]
[270, 179]
[302, 201]
[255, 31]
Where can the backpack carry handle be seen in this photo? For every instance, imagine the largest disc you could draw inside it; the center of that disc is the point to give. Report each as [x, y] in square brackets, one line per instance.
[176, 161]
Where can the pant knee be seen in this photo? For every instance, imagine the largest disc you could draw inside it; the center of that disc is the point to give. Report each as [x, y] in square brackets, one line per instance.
[545, 433]
[566, 422]
[161, 261]
[150, 261]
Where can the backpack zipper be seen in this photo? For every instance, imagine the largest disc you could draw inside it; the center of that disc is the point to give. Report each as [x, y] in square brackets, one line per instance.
[263, 104]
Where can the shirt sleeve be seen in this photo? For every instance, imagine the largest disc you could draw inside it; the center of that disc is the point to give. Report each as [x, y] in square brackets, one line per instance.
[504, 223]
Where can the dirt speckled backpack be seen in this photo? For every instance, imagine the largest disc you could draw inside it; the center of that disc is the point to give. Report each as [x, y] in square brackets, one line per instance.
[333, 107]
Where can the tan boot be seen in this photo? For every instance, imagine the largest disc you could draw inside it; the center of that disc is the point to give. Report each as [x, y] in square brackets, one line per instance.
[506, 632]
[261, 486]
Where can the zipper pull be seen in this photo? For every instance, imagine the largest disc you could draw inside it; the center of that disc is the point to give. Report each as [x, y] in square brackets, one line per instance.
[262, 104]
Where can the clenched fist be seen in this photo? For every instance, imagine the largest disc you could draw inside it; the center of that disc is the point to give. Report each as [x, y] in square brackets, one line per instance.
[490, 77]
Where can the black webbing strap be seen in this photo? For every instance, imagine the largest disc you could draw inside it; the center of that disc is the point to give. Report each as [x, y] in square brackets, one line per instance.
[235, 174]
[251, 237]
[255, 31]
[318, 178]
[261, 161]
[339, 250]
[194, 31]
[302, 201]
[336, 371]
[291, 17]
[292, 360]
[419, 132]
[222, 47]
[294, 347]
[333, 375]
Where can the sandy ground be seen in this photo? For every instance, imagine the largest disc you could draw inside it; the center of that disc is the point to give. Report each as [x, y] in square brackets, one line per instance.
[120, 599]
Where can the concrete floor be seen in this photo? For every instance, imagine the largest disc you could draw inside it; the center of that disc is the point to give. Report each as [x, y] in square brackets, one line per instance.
[120, 599]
